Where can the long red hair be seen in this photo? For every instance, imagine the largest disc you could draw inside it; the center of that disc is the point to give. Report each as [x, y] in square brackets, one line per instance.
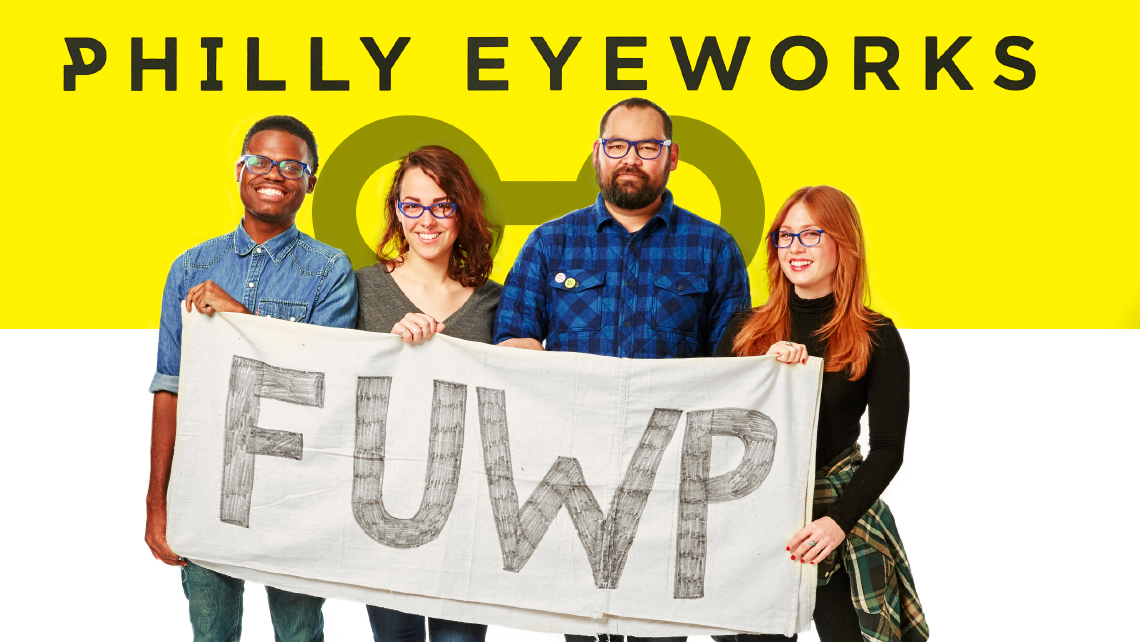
[470, 262]
[848, 331]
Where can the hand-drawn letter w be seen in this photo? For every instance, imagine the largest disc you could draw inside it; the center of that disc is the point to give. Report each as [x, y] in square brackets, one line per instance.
[250, 382]
[607, 539]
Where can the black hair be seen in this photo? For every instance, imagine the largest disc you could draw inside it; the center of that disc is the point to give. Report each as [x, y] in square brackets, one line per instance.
[289, 125]
[638, 102]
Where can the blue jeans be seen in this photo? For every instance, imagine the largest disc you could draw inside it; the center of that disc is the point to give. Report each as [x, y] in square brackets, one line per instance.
[389, 625]
[216, 609]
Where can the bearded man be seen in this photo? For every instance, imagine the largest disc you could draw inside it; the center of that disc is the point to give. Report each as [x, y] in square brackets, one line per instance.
[632, 275]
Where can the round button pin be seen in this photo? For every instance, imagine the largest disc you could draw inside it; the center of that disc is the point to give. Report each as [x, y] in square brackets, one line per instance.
[559, 278]
[570, 282]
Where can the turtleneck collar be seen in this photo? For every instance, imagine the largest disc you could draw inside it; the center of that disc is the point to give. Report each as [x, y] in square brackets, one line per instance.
[811, 308]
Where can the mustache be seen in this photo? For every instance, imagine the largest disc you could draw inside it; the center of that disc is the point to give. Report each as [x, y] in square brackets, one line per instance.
[636, 171]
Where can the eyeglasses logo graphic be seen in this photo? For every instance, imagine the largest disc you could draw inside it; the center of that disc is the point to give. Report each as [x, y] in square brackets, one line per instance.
[514, 202]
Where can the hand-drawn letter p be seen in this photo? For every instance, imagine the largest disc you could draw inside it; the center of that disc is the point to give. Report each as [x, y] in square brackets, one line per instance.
[250, 382]
[698, 490]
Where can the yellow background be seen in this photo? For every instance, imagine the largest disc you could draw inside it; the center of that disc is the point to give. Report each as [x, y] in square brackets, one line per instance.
[983, 209]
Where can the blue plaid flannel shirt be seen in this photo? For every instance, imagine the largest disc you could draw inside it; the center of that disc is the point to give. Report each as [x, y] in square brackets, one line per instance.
[583, 283]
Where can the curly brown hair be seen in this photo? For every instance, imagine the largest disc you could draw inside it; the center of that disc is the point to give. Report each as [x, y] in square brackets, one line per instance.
[471, 259]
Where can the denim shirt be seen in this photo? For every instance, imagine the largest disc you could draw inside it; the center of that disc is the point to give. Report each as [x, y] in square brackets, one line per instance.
[583, 283]
[292, 277]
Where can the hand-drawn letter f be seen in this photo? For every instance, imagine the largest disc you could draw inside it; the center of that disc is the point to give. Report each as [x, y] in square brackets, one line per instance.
[250, 382]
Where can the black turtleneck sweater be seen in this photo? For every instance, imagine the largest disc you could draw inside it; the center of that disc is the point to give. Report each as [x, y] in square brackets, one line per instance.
[884, 389]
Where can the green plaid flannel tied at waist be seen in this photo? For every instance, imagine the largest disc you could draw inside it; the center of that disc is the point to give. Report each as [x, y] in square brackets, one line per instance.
[882, 587]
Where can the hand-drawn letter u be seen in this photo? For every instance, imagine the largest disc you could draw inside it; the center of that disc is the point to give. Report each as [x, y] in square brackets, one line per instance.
[445, 453]
[250, 382]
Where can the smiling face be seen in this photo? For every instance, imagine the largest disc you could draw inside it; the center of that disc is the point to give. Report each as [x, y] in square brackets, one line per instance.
[631, 183]
[810, 269]
[428, 237]
[271, 198]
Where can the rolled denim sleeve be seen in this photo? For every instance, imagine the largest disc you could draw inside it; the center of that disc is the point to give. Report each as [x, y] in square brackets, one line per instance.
[522, 305]
[336, 304]
[730, 293]
[170, 330]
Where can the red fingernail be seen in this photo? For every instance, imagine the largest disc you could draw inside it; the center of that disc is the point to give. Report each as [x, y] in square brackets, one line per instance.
[802, 561]
[793, 557]
[787, 548]
[805, 360]
[813, 562]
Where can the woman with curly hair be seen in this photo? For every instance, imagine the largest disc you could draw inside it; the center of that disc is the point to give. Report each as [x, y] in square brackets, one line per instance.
[436, 282]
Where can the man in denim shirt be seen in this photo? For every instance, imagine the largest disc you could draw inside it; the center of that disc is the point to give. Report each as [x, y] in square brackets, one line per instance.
[632, 275]
[264, 267]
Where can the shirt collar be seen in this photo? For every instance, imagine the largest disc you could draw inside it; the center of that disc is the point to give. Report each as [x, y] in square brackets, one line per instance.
[667, 213]
[277, 247]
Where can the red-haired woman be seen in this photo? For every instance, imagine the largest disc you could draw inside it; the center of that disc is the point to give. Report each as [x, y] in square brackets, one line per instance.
[436, 282]
[817, 285]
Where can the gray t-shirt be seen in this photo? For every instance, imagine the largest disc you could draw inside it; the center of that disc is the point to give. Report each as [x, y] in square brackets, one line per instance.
[383, 304]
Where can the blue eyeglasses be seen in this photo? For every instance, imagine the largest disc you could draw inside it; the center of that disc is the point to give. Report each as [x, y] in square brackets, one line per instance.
[649, 149]
[808, 238]
[261, 165]
[444, 209]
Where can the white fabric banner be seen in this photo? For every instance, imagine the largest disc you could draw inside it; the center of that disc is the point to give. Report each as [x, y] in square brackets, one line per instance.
[548, 491]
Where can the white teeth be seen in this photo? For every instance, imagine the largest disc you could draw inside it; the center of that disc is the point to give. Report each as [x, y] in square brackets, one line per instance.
[271, 191]
[800, 263]
[428, 237]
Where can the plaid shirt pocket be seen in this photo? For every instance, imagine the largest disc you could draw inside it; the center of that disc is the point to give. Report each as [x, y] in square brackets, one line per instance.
[577, 300]
[678, 302]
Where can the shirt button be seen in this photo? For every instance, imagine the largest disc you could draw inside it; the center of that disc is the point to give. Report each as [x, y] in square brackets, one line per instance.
[292, 318]
[258, 250]
[251, 284]
[625, 324]
[680, 287]
[629, 284]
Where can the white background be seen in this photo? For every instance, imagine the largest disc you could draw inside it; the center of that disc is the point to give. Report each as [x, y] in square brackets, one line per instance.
[1012, 501]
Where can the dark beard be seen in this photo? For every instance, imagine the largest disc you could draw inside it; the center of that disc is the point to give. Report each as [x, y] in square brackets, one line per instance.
[629, 198]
